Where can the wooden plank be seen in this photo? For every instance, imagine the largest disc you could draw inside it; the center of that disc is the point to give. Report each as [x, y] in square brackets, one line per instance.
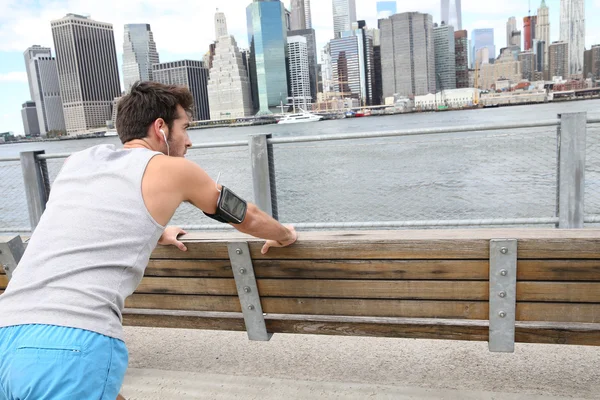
[568, 292]
[328, 269]
[558, 312]
[429, 244]
[557, 333]
[3, 281]
[357, 289]
[354, 307]
[558, 270]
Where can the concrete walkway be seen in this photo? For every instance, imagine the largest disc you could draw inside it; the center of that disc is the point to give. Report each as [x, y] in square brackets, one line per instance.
[187, 364]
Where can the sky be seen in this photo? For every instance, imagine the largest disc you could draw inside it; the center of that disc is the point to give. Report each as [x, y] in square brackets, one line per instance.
[183, 29]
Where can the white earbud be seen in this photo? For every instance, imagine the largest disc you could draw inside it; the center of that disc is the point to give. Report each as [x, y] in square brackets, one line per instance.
[167, 143]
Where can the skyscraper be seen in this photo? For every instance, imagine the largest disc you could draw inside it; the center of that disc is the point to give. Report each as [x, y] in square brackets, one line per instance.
[558, 59]
[344, 15]
[88, 72]
[386, 9]
[29, 54]
[452, 13]
[591, 63]
[139, 53]
[461, 46]
[352, 65]
[267, 36]
[483, 38]
[46, 91]
[445, 56]
[311, 42]
[308, 14]
[229, 86]
[298, 17]
[529, 28]
[31, 126]
[220, 25]
[511, 26]
[527, 59]
[191, 74]
[377, 79]
[572, 32]
[542, 31]
[408, 58]
[300, 89]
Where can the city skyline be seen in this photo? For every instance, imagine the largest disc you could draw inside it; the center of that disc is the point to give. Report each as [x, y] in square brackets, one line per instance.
[173, 45]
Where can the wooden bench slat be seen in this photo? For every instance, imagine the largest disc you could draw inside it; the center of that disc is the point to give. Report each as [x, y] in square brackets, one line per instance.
[546, 312]
[555, 333]
[575, 292]
[361, 289]
[529, 270]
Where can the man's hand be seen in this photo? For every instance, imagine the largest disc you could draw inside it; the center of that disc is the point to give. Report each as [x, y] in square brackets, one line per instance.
[274, 243]
[170, 235]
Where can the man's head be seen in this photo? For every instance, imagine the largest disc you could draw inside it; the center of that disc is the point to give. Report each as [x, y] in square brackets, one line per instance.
[151, 109]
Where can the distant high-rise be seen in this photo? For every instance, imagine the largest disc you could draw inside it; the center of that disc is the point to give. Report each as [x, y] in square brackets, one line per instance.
[445, 56]
[408, 56]
[529, 28]
[31, 125]
[46, 92]
[327, 69]
[558, 60]
[298, 15]
[220, 25]
[267, 36]
[511, 26]
[88, 72]
[308, 14]
[483, 38]
[29, 54]
[461, 52]
[344, 15]
[377, 78]
[452, 13]
[139, 53]
[229, 86]
[352, 65]
[591, 63]
[386, 9]
[300, 89]
[191, 74]
[311, 42]
[542, 31]
[527, 59]
[506, 67]
[572, 32]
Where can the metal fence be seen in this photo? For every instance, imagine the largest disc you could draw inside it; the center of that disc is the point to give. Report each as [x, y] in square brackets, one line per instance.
[541, 173]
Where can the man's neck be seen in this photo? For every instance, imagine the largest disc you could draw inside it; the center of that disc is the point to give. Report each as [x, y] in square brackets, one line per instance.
[137, 144]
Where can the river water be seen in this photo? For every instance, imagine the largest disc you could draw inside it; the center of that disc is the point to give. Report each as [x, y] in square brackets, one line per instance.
[491, 174]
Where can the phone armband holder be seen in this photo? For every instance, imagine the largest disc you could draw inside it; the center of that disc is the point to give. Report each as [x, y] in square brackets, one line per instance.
[230, 208]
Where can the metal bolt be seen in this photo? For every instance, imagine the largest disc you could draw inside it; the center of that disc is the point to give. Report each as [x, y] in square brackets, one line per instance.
[503, 272]
[502, 314]
[504, 250]
[238, 251]
[250, 307]
[247, 289]
[502, 294]
[242, 270]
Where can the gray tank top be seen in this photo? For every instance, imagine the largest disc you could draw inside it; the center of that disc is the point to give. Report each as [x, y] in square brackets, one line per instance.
[90, 248]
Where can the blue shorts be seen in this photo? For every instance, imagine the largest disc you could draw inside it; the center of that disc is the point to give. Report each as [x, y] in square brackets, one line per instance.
[43, 362]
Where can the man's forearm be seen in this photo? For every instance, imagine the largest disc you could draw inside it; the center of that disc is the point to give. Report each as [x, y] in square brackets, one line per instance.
[262, 225]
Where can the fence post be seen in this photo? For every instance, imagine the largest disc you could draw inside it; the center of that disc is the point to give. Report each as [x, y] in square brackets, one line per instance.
[571, 170]
[37, 184]
[11, 251]
[263, 174]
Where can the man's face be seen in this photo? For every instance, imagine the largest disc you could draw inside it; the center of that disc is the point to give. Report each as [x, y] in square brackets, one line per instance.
[178, 138]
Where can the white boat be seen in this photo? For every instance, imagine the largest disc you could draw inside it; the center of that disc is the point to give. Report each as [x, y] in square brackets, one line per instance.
[111, 133]
[299, 117]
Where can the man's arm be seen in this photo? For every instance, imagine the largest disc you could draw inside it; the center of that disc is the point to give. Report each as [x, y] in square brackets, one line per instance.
[200, 190]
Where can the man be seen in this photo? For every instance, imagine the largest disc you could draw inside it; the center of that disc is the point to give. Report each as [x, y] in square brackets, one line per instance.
[60, 317]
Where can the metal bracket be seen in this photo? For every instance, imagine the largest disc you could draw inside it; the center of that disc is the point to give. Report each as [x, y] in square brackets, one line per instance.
[503, 294]
[245, 280]
[11, 251]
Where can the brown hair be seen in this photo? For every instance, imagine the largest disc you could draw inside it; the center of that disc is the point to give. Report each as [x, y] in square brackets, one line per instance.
[145, 103]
